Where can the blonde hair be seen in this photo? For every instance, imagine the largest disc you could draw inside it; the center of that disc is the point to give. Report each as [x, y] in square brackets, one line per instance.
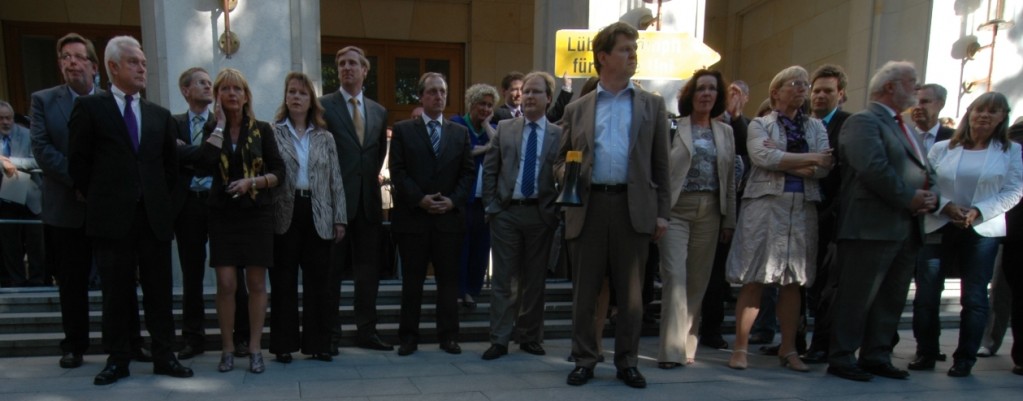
[233, 76]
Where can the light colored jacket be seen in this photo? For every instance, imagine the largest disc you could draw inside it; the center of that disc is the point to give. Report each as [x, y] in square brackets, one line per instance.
[680, 158]
[22, 159]
[999, 187]
[765, 178]
[328, 191]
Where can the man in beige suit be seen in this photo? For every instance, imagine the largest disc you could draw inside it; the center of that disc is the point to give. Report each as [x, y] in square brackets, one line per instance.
[519, 194]
[622, 132]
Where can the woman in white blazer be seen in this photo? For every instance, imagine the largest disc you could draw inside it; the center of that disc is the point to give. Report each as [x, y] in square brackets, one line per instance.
[980, 177]
[702, 175]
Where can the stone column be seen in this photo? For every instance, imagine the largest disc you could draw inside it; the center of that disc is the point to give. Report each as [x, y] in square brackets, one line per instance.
[276, 37]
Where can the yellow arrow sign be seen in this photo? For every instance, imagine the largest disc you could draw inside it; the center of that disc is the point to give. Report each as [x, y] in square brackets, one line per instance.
[662, 55]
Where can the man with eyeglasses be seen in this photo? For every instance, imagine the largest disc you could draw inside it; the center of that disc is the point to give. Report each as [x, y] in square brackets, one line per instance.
[518, 195]
[63, 209]
[928, 278]
[886, 183]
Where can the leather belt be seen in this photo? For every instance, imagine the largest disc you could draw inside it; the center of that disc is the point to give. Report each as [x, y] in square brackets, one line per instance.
[303, 193]
[609, 188]
[524, 202]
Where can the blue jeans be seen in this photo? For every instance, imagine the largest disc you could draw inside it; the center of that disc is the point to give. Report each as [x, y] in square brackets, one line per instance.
[930, 282]
[974, 256]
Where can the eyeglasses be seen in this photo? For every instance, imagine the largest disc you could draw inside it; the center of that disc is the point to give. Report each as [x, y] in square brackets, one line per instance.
[78, 57]
[798, 84]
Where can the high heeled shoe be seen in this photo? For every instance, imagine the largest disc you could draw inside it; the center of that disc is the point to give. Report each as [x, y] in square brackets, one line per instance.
[226, 362]
[791, 360]
[738, 359]
[256, 364]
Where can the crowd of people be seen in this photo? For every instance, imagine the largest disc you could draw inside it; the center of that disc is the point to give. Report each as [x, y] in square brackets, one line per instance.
[837, 212]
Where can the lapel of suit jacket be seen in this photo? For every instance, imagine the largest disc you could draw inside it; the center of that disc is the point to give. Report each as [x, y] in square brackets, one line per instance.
[346, 117]
[638, 116]
[65, 102]
[516, 137]
[287, 144]
[117, 120]
[589, 126]
[719, 142]
[893, 125]
[549, 142]
[150, 129]
[424, 137]
[684, 132]
[370, 122]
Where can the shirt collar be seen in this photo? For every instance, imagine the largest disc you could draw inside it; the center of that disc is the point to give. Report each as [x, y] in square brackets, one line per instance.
[827, 118]
[192, 115]
[291, 127]
[118, 93]
[629, 87]
[348, 96]
[75, 95]
[427, 119]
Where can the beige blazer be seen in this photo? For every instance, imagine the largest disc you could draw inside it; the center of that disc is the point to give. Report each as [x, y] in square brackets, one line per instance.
[681, 157]
[328, 191]
[501, 169]
[648, 160]
[765, 178]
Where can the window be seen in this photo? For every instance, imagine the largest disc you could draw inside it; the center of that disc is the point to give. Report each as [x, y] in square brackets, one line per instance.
[395, 68]
[31, 55]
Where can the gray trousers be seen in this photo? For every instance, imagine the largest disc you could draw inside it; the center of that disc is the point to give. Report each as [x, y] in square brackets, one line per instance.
[520, 245]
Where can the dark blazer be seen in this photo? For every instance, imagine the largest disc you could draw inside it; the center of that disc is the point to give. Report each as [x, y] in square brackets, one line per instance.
[209, 159]
[648, 167]
[501, 169]
[112, 176]
[416, 172]
[188, 155]
[833, 181]
[502, 112]
[740, 124]
[557, 109]
[881, 172]
[360, 163]
[944, 133]
[51, 110]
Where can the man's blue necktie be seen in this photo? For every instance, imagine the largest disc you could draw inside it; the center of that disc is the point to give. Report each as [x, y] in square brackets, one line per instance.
[529, 164]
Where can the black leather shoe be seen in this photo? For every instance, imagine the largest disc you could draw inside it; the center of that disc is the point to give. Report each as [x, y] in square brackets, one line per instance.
[533, 348]
[70, 360]
[960, 369]
[495, 351]
[850, 372]
[110, 374]
[715, 342]
[374, 342]
[406, 349]
[451, 347]
[886, 370]
[815, 357]
[579, 376]
[922, 362]
[941, 357]
[142, 354]
[284, 357]
[632, 377]
[1017, 370]
[334, 349]
[323, 356]
[189, 351]
[771, 350]
[172, 369]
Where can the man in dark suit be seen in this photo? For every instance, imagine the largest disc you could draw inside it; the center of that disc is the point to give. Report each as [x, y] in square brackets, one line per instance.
[190, 224]
[622, 132]
[432, 171]
[885, 181]
[930, 99]
[359, 126]
[123, 160]
[827, 93]
[63, 208]
[519, 194]
[511, 92]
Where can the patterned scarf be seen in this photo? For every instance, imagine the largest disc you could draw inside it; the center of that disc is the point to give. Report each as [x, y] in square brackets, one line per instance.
[795, 135]
[251, 153]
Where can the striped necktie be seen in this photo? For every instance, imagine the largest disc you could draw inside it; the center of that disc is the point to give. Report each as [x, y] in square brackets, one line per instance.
[529, 164]
[434, 136]
[199, 183]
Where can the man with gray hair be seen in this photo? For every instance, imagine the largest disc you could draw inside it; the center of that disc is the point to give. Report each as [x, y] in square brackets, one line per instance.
[123, 160]
[928, 278]
[885, 192]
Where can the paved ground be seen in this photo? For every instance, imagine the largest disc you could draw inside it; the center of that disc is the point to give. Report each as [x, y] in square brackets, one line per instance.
[432, 374]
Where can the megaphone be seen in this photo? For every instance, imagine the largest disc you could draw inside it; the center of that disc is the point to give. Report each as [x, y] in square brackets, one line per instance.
[570, 193]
